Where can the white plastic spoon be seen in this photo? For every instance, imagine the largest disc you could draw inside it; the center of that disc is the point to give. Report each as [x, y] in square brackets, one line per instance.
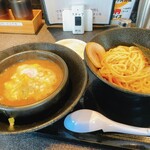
[85, 120]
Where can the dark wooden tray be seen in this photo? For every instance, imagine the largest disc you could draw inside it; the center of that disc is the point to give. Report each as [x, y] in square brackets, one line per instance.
[99, 138]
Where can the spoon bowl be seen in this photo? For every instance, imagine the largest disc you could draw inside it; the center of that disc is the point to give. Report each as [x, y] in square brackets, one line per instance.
[86, 120]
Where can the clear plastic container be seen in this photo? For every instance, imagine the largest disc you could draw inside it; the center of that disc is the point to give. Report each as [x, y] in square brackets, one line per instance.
[21, 9]
[143, 16]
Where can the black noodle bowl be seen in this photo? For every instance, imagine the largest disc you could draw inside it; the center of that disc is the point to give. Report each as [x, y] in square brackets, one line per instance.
[117, 103]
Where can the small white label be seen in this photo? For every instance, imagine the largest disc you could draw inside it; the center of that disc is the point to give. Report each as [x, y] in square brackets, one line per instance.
[11, 24]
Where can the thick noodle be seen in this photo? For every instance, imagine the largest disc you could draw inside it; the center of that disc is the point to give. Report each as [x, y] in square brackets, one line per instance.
[126, 67]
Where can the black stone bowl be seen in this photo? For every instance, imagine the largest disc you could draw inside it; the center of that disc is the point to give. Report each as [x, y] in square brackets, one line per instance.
[76, 88]
[43, 104]
[116, 103]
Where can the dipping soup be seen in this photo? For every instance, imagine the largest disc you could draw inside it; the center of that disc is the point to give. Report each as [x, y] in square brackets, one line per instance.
[29, 81]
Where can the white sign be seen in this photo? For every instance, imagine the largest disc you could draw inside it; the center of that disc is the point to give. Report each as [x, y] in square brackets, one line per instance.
[102, 9]
[11, 24]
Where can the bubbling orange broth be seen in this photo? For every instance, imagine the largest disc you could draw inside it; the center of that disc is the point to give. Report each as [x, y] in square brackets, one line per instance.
[33, 81]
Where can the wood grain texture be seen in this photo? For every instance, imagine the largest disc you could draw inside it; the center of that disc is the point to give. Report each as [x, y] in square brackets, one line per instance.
[25, 26]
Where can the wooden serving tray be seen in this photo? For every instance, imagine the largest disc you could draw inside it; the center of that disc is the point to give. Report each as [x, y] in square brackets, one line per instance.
[22, 26]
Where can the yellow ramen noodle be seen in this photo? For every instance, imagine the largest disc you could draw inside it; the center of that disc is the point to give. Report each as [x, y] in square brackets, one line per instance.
[28, 82]
[126, 67]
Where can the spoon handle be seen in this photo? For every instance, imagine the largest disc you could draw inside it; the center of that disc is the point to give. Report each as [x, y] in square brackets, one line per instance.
[122, 128]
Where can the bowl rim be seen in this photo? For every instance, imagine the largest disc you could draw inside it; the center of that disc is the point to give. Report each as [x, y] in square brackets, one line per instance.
[101, 78]
[52, 95]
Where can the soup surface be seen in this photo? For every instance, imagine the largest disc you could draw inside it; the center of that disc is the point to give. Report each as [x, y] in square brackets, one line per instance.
[29, 81]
